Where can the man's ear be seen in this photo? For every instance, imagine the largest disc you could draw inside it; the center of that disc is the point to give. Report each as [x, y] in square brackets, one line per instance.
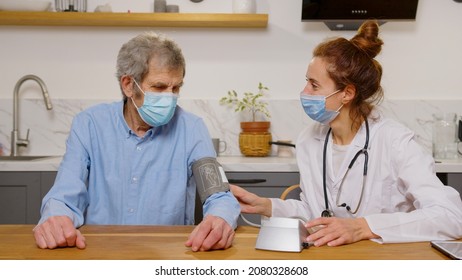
[126, 83]
[350, 93]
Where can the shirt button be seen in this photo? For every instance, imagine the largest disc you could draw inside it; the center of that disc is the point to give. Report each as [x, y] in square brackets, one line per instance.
[138, 148]
[134, 179]
[131, 210]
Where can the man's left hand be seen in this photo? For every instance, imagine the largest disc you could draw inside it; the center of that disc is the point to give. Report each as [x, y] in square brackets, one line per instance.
[212, 233]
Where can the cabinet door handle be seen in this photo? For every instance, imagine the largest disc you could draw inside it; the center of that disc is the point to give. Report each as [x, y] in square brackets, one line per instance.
[246, 181]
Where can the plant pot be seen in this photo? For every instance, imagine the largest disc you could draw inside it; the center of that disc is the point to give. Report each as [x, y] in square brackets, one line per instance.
[255, 126]
[255, 138]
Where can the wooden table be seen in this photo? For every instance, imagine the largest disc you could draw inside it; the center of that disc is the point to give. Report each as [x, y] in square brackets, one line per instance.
[167, 243]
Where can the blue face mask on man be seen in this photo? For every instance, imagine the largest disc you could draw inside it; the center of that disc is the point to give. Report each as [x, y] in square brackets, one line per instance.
[157, 108]
[315, 107]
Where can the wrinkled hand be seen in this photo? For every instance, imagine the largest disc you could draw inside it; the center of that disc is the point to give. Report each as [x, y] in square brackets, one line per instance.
[338, 231]
[251, 203]
[58, 231]
[212, 233]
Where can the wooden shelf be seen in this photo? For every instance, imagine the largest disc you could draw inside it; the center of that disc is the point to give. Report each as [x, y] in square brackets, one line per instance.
[134, 19]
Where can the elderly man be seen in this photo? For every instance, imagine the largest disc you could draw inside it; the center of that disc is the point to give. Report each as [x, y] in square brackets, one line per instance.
[131, 162]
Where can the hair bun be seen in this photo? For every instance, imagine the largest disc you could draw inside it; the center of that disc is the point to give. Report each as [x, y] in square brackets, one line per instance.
[367, 39]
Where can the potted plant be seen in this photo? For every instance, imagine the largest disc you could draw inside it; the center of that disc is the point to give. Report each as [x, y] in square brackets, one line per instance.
[255, 138]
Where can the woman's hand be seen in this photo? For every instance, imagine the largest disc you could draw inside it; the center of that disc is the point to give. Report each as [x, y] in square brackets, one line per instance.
[251, 203]
[339, 231]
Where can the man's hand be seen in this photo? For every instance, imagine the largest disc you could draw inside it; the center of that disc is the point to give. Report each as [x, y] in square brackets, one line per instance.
[58, 231]
[212, 233]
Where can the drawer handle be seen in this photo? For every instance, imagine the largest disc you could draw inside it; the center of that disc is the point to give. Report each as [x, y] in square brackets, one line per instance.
[246, 181]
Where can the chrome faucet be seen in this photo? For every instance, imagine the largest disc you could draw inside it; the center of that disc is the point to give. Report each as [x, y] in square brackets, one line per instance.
[15, 140]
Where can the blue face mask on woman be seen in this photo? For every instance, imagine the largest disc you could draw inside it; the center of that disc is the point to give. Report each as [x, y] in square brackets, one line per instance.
[157, 108]
[315, 107]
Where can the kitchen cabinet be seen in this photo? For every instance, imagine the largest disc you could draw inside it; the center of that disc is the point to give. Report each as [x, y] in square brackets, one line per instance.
[134, 19]
[21, 192]
[21, 195]
[266, 184]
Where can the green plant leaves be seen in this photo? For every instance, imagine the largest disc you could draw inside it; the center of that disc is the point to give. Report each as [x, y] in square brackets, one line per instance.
[250, 102]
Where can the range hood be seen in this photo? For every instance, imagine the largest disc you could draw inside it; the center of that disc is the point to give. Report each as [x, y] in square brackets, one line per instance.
[350, 14]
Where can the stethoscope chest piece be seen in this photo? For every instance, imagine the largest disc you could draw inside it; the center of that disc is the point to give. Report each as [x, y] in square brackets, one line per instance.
[327, 213]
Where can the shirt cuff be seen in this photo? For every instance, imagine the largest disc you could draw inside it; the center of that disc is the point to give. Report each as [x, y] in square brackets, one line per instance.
[223, 205]
[58, 208]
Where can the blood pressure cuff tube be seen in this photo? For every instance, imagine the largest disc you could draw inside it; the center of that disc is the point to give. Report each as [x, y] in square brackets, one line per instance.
[210, 177]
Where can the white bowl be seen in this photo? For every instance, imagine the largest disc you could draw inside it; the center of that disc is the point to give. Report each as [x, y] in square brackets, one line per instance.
[24, 5]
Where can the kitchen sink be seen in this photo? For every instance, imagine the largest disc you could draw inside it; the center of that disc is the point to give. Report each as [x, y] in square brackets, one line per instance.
[23, 158]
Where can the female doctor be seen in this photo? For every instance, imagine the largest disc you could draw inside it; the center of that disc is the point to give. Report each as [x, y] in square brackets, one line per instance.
[362, 176]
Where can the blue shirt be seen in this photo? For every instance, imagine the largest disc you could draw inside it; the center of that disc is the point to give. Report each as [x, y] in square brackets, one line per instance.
[109, 175]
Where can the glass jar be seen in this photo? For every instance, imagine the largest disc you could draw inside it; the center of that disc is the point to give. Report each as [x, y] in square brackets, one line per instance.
[71, 5]
[244, 6]
[444, 140]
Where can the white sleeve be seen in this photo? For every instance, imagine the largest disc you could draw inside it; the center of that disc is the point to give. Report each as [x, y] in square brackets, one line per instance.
[438, 208]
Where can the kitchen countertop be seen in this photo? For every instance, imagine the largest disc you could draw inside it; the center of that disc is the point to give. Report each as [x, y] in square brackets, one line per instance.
[229, 163]
[45, 164]
[167, 242]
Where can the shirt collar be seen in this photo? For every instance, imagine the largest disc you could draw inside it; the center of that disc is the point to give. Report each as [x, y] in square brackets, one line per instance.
[128, 131]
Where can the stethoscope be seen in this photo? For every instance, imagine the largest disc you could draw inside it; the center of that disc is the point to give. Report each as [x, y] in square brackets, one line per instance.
[327, 212]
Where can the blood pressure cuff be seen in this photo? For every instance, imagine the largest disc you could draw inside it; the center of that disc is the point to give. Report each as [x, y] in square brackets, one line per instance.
[210, 177]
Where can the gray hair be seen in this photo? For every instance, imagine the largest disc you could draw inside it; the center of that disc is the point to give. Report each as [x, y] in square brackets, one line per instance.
[135, 55]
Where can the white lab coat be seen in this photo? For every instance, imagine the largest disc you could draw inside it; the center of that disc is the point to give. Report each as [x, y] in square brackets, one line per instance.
[403, 200]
